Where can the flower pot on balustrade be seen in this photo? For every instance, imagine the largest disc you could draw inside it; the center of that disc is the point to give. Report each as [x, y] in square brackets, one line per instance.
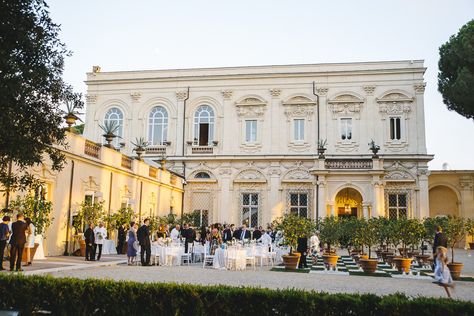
[368, 265]
[403, 264]
[330, 260]
[291, 260]
[24, 257]
[422, 259]
[455, 268]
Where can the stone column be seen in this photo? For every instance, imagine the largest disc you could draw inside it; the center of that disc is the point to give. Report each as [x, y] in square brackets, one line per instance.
[420, 117]
[365, 210]
[368, 131]
[180, 96]
[378, 204]
[276, 206]
[424, 201]
[223, 211]
[227, 134]
[467, 196]
[322, 196]
[275, 127]
[332, 208]
[323, 114]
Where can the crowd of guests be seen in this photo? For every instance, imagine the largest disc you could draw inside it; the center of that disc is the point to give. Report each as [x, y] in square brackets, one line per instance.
[15, 238]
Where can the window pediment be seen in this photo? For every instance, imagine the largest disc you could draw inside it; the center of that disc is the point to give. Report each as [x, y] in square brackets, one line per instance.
[251, 107]
[346, 104]
[395, 97]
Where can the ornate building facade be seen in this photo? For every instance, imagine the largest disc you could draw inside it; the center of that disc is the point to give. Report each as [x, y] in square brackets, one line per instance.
[246, 138]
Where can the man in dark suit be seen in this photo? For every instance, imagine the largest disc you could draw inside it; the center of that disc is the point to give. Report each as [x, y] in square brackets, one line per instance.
[257, 233]
[17, 242]
[121, 238]
[439, 240]
[227, 234]
[302, 248]
[4, 234]
[236, 233]
[189, 235]
[143, 235]
[244, 233]
[89, 239]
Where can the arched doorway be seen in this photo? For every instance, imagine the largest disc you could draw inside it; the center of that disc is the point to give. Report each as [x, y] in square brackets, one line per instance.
[348, 203]
[443, 201]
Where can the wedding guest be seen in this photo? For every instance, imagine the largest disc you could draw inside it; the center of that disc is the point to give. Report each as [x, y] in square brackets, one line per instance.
[132, 243]
[216, 239]
[244, 234]
[442, 274]
[189, 235]
[100, 234]
[90, 241]
[439, 240]
[143, 235]
[314, 244]
[203, 234]
[17, 242]
[122, 236]
[257, 233]
[266, 240]
[30, 240]
[236, 234]
[302, 248]
[4, 235]
[175, 233]
[227, 233]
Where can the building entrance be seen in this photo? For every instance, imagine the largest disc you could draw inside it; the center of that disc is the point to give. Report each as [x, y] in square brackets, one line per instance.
[349, 203]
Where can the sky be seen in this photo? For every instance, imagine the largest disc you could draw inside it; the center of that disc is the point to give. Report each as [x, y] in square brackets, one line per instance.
[146, 34]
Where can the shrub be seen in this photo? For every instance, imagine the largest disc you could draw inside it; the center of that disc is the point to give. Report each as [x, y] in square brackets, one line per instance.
[105, 297]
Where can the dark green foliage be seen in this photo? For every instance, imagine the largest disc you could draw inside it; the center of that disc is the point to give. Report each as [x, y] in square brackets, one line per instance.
[31, 90]
[456, 71]
[105, 297]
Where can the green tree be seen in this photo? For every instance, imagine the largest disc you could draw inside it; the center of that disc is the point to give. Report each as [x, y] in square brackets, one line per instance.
[88, 212]
[31, 91]
[37, 209]
[456, 71]
[329, 231]
[294, 227]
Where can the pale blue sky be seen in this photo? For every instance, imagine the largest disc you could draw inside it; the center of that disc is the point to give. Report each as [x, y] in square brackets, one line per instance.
[132, 35]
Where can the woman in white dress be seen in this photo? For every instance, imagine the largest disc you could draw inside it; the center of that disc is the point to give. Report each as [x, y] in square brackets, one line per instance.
[442, 274]
[30, 240]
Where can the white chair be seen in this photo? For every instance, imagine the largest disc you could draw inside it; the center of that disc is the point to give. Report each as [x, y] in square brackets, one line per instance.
[156, 255]
[208, 258]
[198, 252]
[187, 256]
[231, 259]
[250, 259]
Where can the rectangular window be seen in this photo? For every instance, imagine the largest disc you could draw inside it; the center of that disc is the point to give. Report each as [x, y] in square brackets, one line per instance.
[397, 206]
[346, 129]
[299, 204]
[250, 131]
[395, 128]
[298, 130]
[250, 205]
[200, 218]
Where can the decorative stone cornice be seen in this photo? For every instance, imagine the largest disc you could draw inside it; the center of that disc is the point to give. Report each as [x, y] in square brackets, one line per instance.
[395, 97]
[227, 94]
[275, 92]
[299, 110]
[91, 98]
[322, 91]
[394, 108]
[419, 87]
[251, 107]
[225, 171]
[136, 95]
[181, 95]
[299, 100]
[369, 89]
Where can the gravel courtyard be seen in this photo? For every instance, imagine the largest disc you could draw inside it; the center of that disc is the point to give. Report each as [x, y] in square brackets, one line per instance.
[195, 274]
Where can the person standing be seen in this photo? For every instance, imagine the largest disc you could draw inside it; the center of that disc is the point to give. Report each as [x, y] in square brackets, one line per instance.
[132, 243]
[100, 234]
[122, 236]
[4, 234]
[30, 240]
[17, 242]
[302, 248]
[175, 234]
[143, 235]
[314, 244]
[90, 241]
[439, 240]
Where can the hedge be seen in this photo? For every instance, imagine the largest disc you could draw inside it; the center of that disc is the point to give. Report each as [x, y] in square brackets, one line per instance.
[69, 296]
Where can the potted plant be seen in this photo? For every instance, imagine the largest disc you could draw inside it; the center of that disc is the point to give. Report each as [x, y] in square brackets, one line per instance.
[369, 237]
[140, 146]
[321, 148]
[73, 102]
[455, 232]
[347, 236]
[293, 227]
[329, 233]
[374, 148]
[470, 231]
[110, 129]
[88, 212]
[405, 231]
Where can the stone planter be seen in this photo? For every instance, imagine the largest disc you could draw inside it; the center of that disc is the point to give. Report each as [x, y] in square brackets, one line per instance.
[403, 264]
[330, 260]
[422, 259]
[389, 259]
[291, 261]
[368, 265]
[385, 254]
[455, 268]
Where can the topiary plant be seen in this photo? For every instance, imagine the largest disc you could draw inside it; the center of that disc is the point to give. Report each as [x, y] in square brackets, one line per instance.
[455, 232]
[329, 231]
[294, 227]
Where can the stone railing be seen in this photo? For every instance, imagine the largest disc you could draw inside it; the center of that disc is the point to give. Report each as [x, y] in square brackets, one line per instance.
[202, 150]
[156, 150]
[152, 172]
[92, 149]
[348, 163]
[126, 162]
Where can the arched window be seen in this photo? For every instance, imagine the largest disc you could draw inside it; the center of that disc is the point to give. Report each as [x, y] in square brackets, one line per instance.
[204, 125]
[202, 175]
[115, 115]
[158, 126]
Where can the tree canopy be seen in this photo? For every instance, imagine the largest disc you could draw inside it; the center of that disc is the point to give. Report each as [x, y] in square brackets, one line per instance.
[31, 90]
[456, 71]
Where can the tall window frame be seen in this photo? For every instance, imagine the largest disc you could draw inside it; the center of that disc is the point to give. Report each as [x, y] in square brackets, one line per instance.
[158, 125]
[395, 132]
[346, 129]
[397, 205]
[299, 129]
[115, 114]
[204, 114]
[299, 203]
[251, 131]
[250, 209]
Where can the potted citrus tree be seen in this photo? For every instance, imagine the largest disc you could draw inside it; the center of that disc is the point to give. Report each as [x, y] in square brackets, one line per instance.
[455, 232]
[329, 234]
[405, 231]
[88, 212]
[293, 227]
[470, 231]
[369, 237]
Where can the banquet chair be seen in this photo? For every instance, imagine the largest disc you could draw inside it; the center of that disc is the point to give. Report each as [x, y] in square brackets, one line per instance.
[187, 255]
[208, 258]
[231, 259]
[197, 252]
[156, 256]
[251, 259]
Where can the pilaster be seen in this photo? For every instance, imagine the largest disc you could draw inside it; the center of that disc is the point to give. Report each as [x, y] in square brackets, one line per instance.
[420, 117]
[180, 97]
[275, 127]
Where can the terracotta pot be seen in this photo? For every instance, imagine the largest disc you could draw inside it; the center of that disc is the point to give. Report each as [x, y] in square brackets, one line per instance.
[400, 250]
[389, 259]
[385, 254]
[422, 259]
[368, 265]
[82, 243]
[361, 256]
[24, 257]
[330, 260]
[291, 262]
[455, 268]
[403, 264]
[471, 245]
[412, 254]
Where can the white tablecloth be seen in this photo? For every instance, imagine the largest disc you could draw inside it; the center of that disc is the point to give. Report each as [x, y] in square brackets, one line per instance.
[231, 258]
[109, 247]
[168, 255]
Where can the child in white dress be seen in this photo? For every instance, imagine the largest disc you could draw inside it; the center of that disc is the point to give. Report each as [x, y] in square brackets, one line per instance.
[441, 273]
